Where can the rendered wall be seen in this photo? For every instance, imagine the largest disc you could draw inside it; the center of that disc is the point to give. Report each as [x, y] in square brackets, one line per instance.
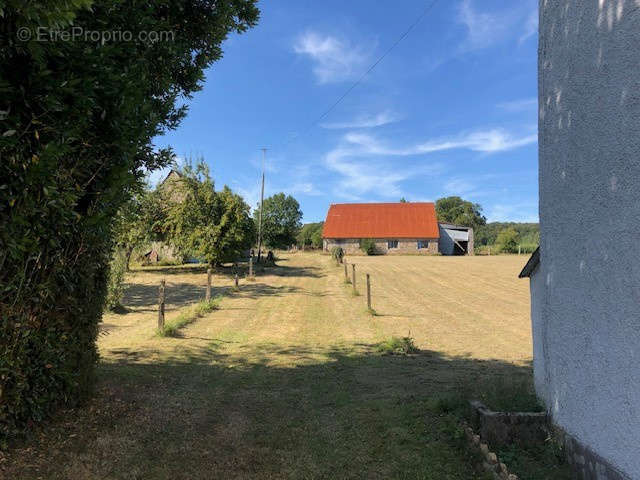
[587, 288]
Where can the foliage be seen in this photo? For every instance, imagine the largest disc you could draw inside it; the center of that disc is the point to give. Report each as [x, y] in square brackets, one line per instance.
[280, 220]
[78, 119]
[310, 235]
[397, 346]
[403, 200]
[529, 233]
[139, 220]
[508, 240]
[213, 225]
[337, 253]
[115, 283]
[368, 246]
[460, 212]
[190, 315]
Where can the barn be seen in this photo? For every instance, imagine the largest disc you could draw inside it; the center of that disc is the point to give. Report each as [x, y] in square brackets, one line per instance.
[396, 228]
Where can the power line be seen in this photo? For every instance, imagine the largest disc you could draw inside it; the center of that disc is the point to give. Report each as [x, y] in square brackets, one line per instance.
[424, 13]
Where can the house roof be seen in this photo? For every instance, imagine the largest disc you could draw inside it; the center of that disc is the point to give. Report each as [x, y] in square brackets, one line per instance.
[381, 220]
[531, 265]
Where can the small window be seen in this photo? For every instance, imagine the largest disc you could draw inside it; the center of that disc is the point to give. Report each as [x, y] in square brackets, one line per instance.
[423, 244]
[392, 243]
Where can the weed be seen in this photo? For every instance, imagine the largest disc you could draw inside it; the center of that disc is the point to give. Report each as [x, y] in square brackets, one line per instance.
[190, 315]
[397, 346]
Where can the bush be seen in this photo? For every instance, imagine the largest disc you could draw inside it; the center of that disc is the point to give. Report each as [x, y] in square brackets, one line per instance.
[397, 346]
[508, 240]
[337, 254]
[368, 246]
[78, 123]
[115, 283]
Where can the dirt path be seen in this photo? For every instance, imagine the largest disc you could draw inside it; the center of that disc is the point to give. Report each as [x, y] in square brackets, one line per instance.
[284, 381]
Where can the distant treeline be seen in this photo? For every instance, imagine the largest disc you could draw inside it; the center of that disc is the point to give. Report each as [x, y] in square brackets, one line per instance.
[528, 233]
[310, 235]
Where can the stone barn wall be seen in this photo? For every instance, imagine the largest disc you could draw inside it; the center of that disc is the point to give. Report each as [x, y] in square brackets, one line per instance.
[405, 246]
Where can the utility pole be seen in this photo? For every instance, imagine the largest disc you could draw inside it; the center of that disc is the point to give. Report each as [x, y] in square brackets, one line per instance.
[264, 154]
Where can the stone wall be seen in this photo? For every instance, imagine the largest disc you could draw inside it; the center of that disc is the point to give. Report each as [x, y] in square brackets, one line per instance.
[351, 246]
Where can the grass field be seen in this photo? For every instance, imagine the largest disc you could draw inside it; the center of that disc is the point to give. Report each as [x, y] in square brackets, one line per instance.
[285, 381]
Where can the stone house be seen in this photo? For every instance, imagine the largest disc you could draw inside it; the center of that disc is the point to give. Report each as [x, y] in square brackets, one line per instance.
[585, 277]
[396, 228]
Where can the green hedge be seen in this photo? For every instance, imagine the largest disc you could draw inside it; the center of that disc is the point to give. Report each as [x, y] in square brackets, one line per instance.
[77, 123]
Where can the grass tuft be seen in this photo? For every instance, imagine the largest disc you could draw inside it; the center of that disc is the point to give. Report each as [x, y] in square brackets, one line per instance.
[397, 346]
[372, 312]
[190, 315]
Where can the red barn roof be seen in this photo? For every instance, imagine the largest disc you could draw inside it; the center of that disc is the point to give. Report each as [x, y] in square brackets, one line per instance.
[381, 220]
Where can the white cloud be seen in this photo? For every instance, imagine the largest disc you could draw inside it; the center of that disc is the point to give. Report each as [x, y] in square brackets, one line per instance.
[483, 29]
[383, 177]
[530, 26]
[334, 59]
[487, 28]
[519, 105]
[365, 121]
[488, 141]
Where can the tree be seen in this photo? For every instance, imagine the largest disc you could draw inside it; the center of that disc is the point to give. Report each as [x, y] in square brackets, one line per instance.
[214, 225]
[403, 200]
[310, 235]
[460, 212]
[78, 122]
[508, 240]
[280, 220]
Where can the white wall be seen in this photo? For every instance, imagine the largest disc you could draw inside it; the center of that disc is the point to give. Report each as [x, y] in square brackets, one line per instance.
[587, 288]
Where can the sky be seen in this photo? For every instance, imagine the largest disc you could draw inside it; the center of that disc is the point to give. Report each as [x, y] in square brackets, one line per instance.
[451, 110]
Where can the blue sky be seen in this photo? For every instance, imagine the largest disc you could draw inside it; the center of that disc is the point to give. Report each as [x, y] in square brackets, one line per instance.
[450, 111]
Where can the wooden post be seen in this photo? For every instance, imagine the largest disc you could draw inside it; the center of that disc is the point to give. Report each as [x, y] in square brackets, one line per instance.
[161, 298]
[236, 280]
[250, 267]
[518, 249]
[346, 274]
[353, 276]
[208, 295]
[368, 293]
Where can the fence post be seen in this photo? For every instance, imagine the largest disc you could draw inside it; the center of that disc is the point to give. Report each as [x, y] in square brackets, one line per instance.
[353, 275]
[518, 249]
[236, 280]
[208, 295]
[161, 298]
[346, 274]
[250, 267]
[368, 293]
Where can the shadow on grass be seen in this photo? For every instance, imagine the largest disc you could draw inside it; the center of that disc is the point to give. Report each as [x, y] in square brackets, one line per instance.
[258, 411]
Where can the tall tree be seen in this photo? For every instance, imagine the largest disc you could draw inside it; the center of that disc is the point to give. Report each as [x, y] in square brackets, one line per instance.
[78, 119]
[280, 220]
[459, 211]
[214, 225]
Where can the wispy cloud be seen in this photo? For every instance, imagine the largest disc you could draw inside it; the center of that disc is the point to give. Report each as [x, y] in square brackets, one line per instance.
[483, 29]
[365, 121]
[530, 26]
[487, 28]
[488, 141]
[519, 105]
[513, 212]
[334, 59]
[367, 164]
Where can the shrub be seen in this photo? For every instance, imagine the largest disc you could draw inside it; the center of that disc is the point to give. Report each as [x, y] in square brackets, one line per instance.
[78, 123]
[337, 254]
[508, 240]
[368, 246]
[115, 282]
[397, 346]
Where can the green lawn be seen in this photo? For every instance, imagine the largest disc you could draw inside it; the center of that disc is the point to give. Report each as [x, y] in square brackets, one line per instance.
[286, 379]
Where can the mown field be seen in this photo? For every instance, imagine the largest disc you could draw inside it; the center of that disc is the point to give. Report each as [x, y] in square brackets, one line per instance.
[285, 380]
